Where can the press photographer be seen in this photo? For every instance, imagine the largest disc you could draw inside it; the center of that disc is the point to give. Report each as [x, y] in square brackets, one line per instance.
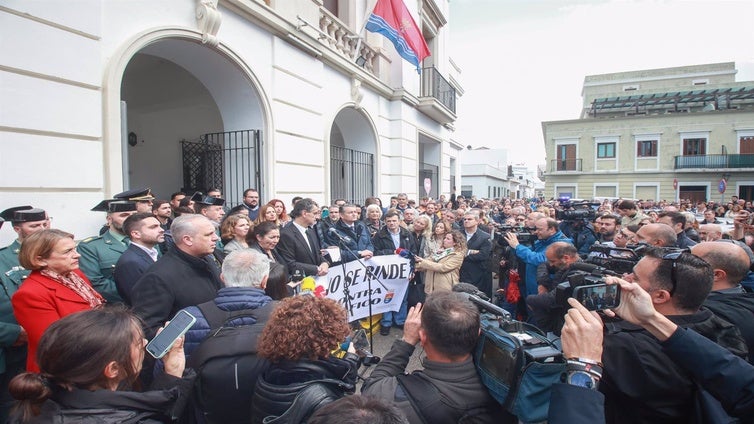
[547, 232]
[577, 223]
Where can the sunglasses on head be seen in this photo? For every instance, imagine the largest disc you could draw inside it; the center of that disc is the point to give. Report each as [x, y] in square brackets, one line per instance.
[673, 257]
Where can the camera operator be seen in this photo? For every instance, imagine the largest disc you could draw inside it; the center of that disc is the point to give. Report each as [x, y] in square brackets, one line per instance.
[546, 230]
[543, 310]
[640, 383]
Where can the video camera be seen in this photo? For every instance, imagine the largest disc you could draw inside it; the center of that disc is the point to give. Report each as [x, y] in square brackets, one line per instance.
[585, 274]
[524, 235]
[514, 359]
[618, 259]
[575, 211]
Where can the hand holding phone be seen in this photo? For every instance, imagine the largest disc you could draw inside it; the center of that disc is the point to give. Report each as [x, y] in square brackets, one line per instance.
[164, 340]
[597, 297]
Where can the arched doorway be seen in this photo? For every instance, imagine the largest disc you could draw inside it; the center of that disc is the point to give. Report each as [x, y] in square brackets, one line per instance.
[191, 119]
[352, 157]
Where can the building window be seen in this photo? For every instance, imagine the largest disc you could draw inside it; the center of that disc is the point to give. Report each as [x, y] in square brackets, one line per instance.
[646, 148]
[694, 146]
[605, 150]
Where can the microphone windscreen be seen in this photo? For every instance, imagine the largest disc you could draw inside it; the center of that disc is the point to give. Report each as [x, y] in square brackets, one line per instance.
[584, 266]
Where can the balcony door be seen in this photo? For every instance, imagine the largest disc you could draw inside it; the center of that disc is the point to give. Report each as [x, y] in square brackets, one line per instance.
[694, 146]
[746, 145]
[566, 157]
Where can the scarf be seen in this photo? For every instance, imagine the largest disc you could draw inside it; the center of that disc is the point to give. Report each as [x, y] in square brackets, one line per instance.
[442, 254]
[80, 286]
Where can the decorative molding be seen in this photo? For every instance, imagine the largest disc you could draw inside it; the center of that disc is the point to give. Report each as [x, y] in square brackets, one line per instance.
[356, 94]
[208, 20]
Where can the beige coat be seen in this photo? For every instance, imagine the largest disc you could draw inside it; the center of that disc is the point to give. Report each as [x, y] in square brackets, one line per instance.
[441, 275]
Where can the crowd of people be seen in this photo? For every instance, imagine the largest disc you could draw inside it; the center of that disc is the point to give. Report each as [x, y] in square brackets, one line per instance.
[75, 316]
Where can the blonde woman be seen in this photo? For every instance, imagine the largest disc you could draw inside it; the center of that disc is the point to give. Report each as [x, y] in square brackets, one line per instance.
[422, 228]
[442, 268]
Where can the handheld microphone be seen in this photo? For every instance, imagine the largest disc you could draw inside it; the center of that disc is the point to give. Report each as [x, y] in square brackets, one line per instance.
[333, 232]
[405, 253]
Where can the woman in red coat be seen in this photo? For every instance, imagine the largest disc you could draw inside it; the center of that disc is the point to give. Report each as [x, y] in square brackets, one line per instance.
[55, 288]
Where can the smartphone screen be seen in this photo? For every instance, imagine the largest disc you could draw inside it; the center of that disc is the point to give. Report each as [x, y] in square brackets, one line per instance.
[163, 341]
[597, 297]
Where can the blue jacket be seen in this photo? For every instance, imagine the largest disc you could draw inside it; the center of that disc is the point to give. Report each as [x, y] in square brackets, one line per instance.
[228, 299]
[534, 257]
[355, 240]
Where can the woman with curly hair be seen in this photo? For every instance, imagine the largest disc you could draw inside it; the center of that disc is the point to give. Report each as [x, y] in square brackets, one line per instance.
[234, 232]
[443, 267]
[297, 340]
[282, 214]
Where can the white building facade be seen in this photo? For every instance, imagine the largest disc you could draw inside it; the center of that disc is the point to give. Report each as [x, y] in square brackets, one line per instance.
[284, 96]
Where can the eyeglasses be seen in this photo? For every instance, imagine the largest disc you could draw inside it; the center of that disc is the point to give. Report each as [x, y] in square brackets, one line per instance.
[673, 257]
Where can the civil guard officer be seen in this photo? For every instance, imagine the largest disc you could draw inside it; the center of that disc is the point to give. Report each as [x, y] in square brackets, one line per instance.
[141, 196]
[25, 220]
[100, 254]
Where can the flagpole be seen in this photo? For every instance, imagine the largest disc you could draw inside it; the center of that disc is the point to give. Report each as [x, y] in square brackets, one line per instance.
[364, 21]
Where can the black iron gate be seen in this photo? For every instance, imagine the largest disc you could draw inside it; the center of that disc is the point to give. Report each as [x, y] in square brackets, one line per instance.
[229, 161]
[351, 174]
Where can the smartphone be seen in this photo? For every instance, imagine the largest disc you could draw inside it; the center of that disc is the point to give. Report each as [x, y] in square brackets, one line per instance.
[597, 297]
[163, 341]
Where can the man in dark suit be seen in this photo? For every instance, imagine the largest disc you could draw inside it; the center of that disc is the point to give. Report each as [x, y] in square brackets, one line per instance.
[299, 245]
[185, 276]
[475, 269]
[145, 233]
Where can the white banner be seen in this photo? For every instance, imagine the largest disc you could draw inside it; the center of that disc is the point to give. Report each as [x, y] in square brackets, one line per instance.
[388, 275]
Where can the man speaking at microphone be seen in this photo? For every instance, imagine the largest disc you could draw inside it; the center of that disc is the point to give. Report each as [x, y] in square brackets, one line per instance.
[350, 235]
[392, 239]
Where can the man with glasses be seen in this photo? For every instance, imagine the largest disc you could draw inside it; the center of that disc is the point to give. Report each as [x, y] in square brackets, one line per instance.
[640, 383]
[299, 244]
[251, 202]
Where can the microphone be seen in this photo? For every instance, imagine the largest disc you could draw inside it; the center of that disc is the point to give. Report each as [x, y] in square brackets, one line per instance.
[405, 253]
[593, 269]
[333, 232]
[470, 292]
[470, 289]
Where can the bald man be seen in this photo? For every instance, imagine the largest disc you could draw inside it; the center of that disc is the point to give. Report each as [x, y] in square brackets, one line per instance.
[728, 299]
[659, 235]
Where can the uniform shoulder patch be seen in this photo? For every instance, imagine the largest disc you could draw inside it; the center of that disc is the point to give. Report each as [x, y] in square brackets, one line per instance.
[87, 240]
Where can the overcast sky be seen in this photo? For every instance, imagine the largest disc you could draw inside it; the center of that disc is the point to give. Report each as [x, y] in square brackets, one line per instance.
[524, 61]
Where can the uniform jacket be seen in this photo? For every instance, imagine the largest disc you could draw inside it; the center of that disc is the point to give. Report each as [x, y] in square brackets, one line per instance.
[475, 269]
[296, 253]
[38, 303]
[176, 281]
[356, 240]
[12, 274]
[131, 265]
[443, 274]
[98, 258]
[643, 385]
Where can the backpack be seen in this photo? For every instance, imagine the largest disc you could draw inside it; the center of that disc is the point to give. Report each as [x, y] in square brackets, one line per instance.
[226, 364]
[431, 407]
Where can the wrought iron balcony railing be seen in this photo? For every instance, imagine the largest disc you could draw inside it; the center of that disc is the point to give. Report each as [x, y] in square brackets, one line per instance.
[435, 85]
[714, 161]
[557, 165]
